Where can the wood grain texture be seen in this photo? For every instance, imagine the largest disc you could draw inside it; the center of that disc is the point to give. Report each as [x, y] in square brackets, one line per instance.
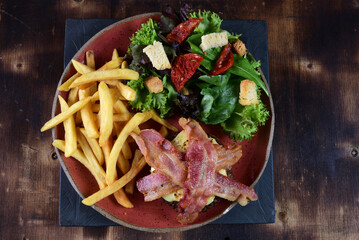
[314, 69]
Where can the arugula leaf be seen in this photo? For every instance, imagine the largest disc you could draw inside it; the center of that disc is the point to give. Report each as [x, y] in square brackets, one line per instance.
[243, 68]
[245, 120]
[211, 22]
[218, 102]
[218, 80]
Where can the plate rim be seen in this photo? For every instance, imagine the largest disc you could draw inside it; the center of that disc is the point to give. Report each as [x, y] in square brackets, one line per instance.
[101, 210]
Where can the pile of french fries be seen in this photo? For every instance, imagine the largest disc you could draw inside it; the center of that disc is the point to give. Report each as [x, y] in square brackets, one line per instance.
[98, 122]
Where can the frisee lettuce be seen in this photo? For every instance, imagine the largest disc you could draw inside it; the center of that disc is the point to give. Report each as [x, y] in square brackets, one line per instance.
[162, 102]
[211, 22]
[245, 120]
[146, 35]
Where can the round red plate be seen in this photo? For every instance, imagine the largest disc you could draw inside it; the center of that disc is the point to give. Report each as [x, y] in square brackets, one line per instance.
[156, 216]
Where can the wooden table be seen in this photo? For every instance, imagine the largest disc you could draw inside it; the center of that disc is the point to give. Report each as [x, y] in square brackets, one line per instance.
[314, 70]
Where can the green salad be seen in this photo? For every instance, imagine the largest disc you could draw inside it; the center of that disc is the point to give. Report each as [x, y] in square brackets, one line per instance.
[201, 84]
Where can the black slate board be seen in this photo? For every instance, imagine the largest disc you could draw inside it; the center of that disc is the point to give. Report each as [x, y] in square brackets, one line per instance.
[254, 35]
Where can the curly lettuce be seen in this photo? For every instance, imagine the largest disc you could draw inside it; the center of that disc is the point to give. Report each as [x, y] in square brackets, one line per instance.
[146, 35]
[245, 120]
[145, 100]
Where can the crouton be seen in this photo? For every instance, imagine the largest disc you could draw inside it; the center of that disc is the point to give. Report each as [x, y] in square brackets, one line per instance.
[248, 93]
[154, 84]
[240, 47]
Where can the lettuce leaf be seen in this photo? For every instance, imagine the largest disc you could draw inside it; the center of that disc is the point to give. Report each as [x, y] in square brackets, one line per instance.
[245, 120]
[146, 35]
[218, 101]
[162, 102]
[211, 22]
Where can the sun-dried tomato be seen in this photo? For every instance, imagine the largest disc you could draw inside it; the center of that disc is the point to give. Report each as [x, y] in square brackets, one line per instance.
[183, 68]
[224, 62]
[182, 30]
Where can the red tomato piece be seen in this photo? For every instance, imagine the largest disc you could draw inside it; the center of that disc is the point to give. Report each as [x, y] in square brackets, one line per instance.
[182, 30]
[183, 68]
[224, 62]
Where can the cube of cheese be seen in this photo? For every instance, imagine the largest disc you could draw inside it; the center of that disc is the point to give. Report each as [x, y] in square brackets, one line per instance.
[156, 54]
[248, 93]
[213, 40]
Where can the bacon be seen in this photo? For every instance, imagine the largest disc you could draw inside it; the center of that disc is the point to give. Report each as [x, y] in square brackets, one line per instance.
[227, 156]
[160, 154]
[232, 190]
[201, 158]
[156, 185]
[197, 176]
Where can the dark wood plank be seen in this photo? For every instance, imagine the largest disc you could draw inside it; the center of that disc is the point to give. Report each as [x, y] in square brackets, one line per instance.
[314, 64]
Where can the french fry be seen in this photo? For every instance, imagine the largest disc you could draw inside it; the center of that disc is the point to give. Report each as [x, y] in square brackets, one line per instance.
[81, 68]
[131, 185]
[132, 124]
[65, 87]
[79, 156]
[106, 148]
[111, 74]
[122, 198]
[87, 115]
[127, 92]
[73, 96]
[65, 115]
[163, 131]
[90, 59]
[158, 119]
[116, 95]
[95, 97]
[90, 156]
[115, 54]
[114, 63]
[123, 164]
[112, 82]
[106, 105]
[124, 64]
[96, 149]
[120, 107]
[120, 195]
[122, 117]
[70, 130]
[115, 186]
[126, 150]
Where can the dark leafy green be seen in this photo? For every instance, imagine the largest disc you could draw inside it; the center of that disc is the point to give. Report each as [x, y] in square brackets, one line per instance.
[218, 102]
[211, 99]
[243, 68]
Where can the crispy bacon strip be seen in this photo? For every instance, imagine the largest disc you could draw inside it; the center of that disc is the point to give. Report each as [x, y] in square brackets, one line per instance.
[201, 158]
[227, 156]
[232, 190]
[201, 181]
[156, 185]
[161, 155]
